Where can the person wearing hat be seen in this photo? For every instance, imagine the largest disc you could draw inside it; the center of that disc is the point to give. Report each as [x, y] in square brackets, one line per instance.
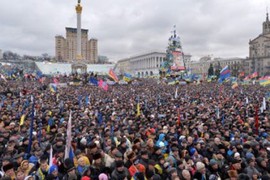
[53, 173]
[98, 164]
[195, 155]
[131, 157]
[82, 165]
[9, 171]
[122, 147]
[118, 157]
[162, 143]
[120, 171]
[174, 156]
[43, 170]
[103, 176]
[262, 166]
[200, 171]
[156, 153]
[159, 166]
[91, 150]
[236, 165]
[26, 167]
[251, 170]
[18, 159]
[214, 169]
[70, 173]
[144, 159]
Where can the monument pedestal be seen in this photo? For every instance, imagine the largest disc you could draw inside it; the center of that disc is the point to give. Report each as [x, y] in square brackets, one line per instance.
[78, 62]
[79, 66]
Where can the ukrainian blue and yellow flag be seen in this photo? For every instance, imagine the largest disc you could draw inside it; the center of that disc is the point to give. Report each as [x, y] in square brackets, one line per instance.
[127, 77]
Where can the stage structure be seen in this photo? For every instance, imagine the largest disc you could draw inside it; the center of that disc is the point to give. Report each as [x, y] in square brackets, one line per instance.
[174, 63]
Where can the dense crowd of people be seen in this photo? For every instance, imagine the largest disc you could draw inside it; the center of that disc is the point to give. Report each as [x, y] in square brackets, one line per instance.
[136, 131]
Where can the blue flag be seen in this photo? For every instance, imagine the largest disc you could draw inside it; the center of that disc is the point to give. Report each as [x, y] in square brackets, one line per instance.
[93, 81]
[86, 100]
[80, 101]
[224, 74]
[71, 155]
[39, 74]
[100, 118]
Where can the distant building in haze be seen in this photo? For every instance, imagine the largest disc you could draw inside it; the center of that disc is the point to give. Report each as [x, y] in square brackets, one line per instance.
[103, 60]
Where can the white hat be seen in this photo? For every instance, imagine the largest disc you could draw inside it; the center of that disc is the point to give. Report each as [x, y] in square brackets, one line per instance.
[161, 144]
[182, 137]
[83, 140]
[236, 155]
[12, 123]
[199, 166]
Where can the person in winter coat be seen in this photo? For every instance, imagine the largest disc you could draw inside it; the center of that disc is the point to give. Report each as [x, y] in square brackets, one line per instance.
[43, 170]
[250, 169]
[262, 166]
[200, 173]
[53, 173]
[120, 172]
[162, 143]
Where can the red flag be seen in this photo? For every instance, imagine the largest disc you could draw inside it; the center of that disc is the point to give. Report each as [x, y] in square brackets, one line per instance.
[256, 120]
[103, 85]
[55, 80]
[242, 74]
[254, 75]
[113, 75]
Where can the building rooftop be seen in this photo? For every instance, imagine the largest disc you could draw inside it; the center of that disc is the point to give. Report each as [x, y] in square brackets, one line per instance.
[62, 68]
[74, 30]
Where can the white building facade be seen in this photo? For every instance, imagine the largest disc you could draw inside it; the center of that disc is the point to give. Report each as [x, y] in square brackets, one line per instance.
[147, 64]
[144, 65]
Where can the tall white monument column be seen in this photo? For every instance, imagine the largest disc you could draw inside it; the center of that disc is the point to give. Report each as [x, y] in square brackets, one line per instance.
[78, 64]
[79, 31]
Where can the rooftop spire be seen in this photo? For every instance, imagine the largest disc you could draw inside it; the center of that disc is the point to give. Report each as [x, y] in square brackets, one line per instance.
[267, 19]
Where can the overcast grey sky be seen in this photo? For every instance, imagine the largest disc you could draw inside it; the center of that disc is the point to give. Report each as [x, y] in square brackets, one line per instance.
[124, 28]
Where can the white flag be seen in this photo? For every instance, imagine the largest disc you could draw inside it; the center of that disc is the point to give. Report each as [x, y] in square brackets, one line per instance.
[176, 93]
[3, 77]
[246, 100]
[261, 109]
[51, 157]
[217, 110]
[264, 104]
[68, 141]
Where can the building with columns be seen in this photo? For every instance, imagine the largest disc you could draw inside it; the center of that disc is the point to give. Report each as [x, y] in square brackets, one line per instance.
[143, 65]
[259, 51]
[147, 64]
[236, 65]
